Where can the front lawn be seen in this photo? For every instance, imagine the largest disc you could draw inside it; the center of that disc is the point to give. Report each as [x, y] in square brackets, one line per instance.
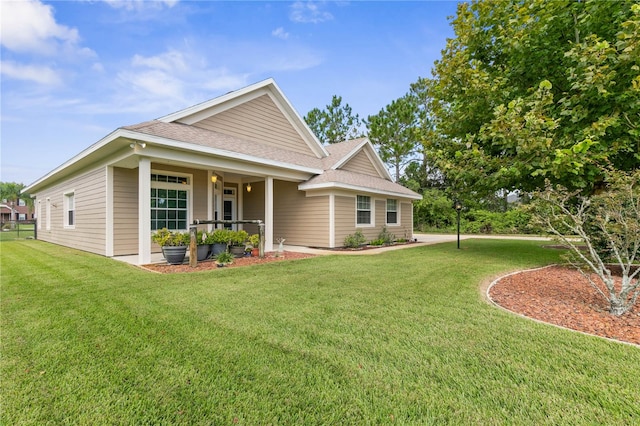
[402, 337]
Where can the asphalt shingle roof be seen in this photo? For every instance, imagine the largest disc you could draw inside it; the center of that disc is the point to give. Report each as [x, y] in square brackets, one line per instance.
[211, 139]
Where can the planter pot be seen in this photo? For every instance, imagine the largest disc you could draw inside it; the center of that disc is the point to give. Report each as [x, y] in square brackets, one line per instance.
[255, 252]
[203, 251]
[217, 249]
[174, 255]
[237, 251]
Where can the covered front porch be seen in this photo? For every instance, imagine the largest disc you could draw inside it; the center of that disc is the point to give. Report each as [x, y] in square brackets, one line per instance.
[174, 189]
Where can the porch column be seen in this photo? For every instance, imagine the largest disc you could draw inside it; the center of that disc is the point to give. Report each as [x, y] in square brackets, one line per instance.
[144, 211]
[268, 214]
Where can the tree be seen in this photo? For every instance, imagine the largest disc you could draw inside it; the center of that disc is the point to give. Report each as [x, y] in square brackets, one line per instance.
[335, 124]
[12, 191]
[395, 132]
[608, 224]
[530, 91]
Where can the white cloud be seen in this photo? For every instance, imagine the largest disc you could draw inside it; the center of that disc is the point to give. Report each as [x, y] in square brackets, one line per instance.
[222, 80]
[29, 26]
[309, 12]
[280, 33]
[38, 74]
[139, 5]
[171, 61]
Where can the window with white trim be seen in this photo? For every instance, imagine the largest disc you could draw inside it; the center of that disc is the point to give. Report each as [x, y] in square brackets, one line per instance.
[363, 210]
[48, 214]
[169, 202]
[392, 212]
[69, 210]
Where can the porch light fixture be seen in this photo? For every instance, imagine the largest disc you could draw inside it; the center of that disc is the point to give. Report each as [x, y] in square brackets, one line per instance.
[214, 178]
[140, 144]
[248, 187]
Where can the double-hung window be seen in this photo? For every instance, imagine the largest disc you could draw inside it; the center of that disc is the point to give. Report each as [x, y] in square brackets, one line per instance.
[169, 202]
[392, 212]
[363, 210]
[69, 210]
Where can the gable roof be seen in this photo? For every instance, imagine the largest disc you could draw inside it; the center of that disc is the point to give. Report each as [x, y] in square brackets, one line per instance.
[342, 153]
[218, 106]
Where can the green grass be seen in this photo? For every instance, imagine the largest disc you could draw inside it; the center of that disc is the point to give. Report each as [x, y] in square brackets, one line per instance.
[403, 337]
[21, 232]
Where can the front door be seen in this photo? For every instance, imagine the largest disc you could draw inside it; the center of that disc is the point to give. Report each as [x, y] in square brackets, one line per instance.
[229, 206]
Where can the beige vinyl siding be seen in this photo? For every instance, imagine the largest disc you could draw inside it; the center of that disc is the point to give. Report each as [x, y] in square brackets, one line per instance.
[360, 163]
[125, 211]
[406, 219]
[88, 232]
[260, 120]
[253, 206]
[345, 219]
[299, 219]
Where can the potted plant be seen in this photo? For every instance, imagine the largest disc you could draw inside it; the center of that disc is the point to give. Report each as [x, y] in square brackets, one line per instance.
[204, 248]
[173, 244]
[237, 242]
[254, 244]
[219, 240]
[224, 259]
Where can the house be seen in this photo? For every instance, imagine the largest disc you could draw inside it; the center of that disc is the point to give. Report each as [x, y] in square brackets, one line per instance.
[242, 156]
[15, 211]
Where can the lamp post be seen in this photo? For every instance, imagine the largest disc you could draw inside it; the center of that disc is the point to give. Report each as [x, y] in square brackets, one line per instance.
[458, 206]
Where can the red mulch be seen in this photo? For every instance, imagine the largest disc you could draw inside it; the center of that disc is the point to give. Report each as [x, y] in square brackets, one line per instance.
[562, 296]
[211, 264]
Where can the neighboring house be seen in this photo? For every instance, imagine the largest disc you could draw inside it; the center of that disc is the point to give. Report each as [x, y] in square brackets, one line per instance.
[15, 210]
[242, 156]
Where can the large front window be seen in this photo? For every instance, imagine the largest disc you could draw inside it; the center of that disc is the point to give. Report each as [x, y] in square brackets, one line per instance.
[169, 202]
[363, 210]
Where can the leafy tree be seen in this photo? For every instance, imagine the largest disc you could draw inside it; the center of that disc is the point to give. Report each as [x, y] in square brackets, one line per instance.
[610, 218]
[11, 191]
[529, 91]
[396, 133]
[335, 124]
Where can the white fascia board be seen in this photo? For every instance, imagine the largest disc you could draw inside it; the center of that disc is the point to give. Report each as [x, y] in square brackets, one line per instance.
[200, 149]
[345, 186]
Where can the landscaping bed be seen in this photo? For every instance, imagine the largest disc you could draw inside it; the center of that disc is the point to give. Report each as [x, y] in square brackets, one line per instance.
[562, 296]
[237, 262]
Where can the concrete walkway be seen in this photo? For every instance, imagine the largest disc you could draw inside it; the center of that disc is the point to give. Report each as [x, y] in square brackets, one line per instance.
[423, 240]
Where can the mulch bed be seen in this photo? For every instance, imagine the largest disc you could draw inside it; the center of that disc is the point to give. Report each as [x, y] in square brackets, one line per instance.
[562, 296]
[207, 265]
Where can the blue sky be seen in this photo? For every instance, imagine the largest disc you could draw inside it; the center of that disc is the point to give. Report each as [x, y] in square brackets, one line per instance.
[72, 72]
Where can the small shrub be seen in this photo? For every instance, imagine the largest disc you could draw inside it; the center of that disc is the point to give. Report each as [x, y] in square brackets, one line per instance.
[377, 242]
[386, 236]
[165, 238]
[224, 257]
[354, 240]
